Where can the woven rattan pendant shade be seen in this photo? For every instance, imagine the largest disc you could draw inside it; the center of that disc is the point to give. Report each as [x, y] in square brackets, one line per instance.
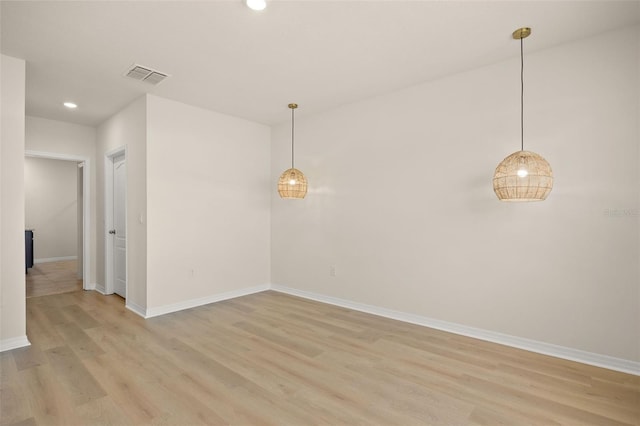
[523, 176]
[292, 184]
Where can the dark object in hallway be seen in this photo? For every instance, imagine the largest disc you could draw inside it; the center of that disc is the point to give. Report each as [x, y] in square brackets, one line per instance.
[28, 246]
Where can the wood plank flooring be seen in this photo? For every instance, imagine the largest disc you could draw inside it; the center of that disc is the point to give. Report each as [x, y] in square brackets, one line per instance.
[53, 278]
[274, 359]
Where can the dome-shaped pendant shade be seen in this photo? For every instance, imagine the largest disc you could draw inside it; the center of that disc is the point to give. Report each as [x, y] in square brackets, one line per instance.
[292, 184]
[523, 176]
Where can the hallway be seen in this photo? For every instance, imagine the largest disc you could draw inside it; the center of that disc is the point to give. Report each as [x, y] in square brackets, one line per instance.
[53, 278]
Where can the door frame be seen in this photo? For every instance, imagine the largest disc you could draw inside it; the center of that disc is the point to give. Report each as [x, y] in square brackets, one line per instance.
[86, 207]
[109, 156]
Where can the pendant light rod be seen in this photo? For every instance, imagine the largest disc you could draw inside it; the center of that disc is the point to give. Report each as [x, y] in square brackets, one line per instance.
[521, 97]
[521, 33]
[293, 107]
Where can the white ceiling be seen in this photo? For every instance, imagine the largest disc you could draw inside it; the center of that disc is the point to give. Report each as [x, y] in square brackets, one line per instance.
[225, 57]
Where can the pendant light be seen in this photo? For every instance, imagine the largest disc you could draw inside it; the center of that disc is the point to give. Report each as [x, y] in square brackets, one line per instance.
[523, 175]
[292, 183]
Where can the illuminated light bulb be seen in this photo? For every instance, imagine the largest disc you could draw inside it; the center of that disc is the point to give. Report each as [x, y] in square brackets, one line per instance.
[256, 4]
[292, 182]
[522, 173]
[70, 105]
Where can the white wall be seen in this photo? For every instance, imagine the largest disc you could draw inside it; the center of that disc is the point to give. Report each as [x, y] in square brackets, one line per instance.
[79, 223]
[67, 139]
[208, 204]
[12, 260]
[126, 128]
[51, 207]
[401, 201]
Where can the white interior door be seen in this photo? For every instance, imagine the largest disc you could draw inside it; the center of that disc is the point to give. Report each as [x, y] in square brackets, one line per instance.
[120, 225]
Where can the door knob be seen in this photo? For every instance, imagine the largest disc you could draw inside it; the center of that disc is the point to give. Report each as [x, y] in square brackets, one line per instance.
[113, 231]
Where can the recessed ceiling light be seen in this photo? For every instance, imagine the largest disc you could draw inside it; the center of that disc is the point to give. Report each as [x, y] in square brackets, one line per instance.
[70, 105]
[256, 4]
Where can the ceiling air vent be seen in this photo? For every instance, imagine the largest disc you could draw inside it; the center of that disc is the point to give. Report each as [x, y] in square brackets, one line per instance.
[140, 73]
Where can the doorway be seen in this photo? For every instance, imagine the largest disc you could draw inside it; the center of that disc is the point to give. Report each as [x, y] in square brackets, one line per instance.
[81, 268]
[116, 221]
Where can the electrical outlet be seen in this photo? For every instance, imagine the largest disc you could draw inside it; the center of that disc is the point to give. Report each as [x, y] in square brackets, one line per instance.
[332, 270]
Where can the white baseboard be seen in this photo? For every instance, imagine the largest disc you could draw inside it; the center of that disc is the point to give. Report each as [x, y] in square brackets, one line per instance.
[136, 309]
[14, 343]
[598, 360]
[187, 304]
[54, 259]
[90, 286]
[100, 289]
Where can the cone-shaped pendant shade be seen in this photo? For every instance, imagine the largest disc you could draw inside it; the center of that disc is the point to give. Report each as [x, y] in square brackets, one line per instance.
[292, 183]
[523, 176]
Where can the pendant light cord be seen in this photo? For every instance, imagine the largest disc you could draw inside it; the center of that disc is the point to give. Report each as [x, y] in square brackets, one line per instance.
[521, 96]
[292, 133]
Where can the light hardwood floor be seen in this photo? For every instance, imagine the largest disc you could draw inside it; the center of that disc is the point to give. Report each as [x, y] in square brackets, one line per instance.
[274, 359]
[53, 278]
